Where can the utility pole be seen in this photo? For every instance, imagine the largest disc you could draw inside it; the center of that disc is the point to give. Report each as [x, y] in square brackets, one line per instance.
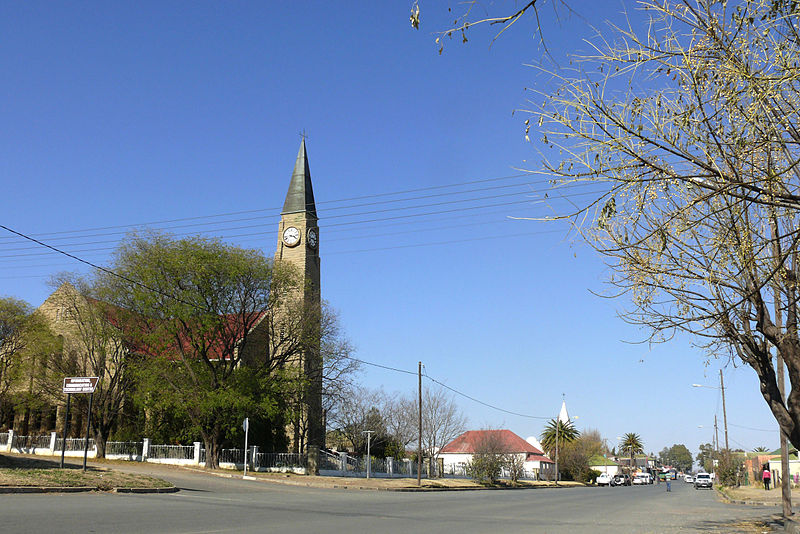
[716, 436]
[419, 451]
[369, 457]
[557, 422]
[724, 413]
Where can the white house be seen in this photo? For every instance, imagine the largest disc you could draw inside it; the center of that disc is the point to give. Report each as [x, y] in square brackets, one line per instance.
[457, 454]
[604, 465]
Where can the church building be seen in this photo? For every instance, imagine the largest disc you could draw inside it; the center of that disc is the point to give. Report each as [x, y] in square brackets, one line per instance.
[297, 248]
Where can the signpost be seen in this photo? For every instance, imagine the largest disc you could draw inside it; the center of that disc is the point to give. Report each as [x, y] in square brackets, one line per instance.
[78, 384]
[246, 428]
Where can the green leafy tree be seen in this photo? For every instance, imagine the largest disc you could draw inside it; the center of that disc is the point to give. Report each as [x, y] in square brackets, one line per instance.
[730, 468]
[15, 319]
[705, 457]
[678, 456]
[488, 460]
[217, 328]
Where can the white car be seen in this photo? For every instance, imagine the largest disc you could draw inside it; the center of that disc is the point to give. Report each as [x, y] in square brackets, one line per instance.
[688, 478]
[703, 480]
[642, 479]
[604, 479]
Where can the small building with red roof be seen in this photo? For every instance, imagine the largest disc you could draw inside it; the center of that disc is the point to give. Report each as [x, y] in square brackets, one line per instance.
[457, 455]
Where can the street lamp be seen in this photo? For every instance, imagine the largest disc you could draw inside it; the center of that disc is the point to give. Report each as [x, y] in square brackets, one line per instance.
[724, 412]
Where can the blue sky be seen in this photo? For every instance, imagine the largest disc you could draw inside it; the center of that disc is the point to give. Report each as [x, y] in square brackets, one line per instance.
[119, 115]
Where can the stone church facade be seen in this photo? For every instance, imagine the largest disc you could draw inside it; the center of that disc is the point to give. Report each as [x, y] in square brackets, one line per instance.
[298, 247]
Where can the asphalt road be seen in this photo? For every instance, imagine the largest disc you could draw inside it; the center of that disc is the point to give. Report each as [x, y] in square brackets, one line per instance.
[212, 504]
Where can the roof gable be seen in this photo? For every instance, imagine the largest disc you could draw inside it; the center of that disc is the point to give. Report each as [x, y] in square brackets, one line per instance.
[469, 442]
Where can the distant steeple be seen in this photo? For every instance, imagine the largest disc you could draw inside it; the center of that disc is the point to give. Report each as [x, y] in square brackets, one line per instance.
[300, 197]
[563, 415]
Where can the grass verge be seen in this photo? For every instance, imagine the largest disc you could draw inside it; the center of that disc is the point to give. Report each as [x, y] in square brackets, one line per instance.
[30, 472]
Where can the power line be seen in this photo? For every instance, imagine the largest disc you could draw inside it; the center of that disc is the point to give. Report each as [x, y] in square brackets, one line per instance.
[393, 218]
[438, 243]
[756, 429]
[103, 269]
[164, 294]
[375, 249]
[457, 392]
[276, 211]
[381, 366]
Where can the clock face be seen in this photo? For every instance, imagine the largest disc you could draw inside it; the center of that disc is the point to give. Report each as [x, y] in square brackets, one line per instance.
[291, 236]
[312, 238]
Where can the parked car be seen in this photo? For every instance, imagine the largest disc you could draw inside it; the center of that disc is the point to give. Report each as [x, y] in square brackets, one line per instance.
[688, 478]
[604, 479]
[621, 480]
[703, 480]
[642, 479]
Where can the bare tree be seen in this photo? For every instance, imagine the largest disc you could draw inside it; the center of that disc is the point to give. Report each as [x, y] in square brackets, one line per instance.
[360, 410]
[402, 419]
[340, 369]
[686, 132]
[500, 16]
[442, 420]
[93, 346]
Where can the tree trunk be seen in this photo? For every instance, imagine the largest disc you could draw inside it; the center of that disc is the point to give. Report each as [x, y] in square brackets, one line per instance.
[101, 433]
[212, 452]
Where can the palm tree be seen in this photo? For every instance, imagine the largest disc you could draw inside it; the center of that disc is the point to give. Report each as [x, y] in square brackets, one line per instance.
[633, 443]
[567, 433]
[760, 449]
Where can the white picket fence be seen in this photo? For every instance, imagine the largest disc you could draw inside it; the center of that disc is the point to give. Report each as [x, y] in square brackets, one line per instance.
[330, 464]
[145, 451]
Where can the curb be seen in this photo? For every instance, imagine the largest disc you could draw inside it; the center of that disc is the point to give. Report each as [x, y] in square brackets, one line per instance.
[80, 489]
[173, 489]
[46, 489]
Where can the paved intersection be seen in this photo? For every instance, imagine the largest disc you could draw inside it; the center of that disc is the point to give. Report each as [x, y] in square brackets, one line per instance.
[212, 504]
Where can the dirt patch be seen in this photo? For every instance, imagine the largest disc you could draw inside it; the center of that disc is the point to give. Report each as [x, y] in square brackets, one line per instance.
[756, 494]
[35, 472]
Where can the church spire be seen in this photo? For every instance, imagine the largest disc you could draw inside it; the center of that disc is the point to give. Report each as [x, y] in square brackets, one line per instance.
[300, 197]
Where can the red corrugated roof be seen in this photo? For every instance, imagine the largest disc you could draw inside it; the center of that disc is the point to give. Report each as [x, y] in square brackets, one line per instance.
[470, 441]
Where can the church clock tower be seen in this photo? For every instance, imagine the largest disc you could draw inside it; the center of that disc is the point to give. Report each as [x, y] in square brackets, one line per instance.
[298, 245]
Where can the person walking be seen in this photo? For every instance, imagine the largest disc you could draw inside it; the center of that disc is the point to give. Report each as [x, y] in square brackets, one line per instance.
[669, 482]
[766, 476]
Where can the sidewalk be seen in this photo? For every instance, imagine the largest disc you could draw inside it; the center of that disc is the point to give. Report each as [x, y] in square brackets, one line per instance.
[758, 496]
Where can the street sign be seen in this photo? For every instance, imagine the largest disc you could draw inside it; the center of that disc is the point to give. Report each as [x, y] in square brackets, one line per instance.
[246, 424]
[80, 384]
